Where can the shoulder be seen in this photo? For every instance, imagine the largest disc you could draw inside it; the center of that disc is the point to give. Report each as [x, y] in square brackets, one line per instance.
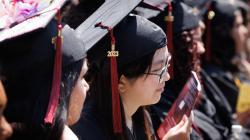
[88, 128]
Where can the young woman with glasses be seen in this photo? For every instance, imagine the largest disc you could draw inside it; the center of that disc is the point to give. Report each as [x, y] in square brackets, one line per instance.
[142, 71]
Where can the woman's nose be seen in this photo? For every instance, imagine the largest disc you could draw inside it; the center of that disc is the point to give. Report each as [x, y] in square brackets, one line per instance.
[166, 77]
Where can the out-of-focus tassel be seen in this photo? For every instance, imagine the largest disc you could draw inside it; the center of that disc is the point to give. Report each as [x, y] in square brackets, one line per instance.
[210, 15]
[169, 23]
[55, 91]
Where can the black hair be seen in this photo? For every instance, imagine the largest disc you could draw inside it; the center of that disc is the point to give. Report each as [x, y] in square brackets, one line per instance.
[223, 45]
[182, 60]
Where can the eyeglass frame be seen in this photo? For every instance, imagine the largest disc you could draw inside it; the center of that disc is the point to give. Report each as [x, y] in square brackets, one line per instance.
[164, 70]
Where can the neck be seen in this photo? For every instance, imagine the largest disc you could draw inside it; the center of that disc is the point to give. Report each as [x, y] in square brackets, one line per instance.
[130, 108]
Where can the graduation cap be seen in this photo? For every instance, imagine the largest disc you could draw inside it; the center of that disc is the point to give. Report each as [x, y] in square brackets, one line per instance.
[218, 12]
[34, 43]
[185, 18]
[101, 22]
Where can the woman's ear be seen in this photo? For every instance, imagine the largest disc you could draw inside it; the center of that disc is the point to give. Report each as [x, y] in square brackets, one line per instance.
[123, 84]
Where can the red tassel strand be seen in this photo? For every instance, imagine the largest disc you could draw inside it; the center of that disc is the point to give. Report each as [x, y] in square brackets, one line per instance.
[116, 112]
[169, 23]
[55, 91]
[208, 35]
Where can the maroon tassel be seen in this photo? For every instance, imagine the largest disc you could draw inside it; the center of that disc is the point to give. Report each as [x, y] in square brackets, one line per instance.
[55, 91]
[169, 23]
[117, 121]
[116, 109]
[208, 35]
[117, 126]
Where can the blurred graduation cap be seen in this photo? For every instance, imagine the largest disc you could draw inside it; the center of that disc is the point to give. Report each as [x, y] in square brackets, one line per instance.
[32, 20]
[218, 12]
[94, 28]
[200, 7]
[34, 43]
[173, 16]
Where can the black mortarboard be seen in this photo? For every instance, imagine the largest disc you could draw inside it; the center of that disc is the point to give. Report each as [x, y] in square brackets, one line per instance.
[137, 37]
[36, 44]
[200, 7]
[184, 18]
[101, 22]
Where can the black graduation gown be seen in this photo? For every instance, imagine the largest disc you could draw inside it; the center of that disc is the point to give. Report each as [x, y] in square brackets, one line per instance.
[89, 128]
[216, 95]
[225, 81]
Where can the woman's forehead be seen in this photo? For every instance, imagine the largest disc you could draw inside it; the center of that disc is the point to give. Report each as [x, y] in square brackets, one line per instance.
[162, 52]
[161, 55]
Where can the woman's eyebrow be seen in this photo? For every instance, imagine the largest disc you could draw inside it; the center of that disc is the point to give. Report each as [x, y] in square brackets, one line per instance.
[158, 62]
[168, 58]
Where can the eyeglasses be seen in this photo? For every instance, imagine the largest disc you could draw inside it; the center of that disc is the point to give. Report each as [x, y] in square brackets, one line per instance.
[163, 71]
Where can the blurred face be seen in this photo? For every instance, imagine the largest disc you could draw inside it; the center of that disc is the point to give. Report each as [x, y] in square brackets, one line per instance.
[147, 89]
[78, 97]
[197, 37]
[239, 32]
[5, 127]
[194, 36]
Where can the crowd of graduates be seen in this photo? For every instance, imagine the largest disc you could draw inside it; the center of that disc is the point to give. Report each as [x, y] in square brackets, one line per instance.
[112, 69]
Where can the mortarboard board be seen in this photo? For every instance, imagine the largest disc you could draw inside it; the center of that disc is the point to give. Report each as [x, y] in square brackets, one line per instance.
[29, 44]
[94, 28]
[30, 22]
[200, 7]
[109, 14]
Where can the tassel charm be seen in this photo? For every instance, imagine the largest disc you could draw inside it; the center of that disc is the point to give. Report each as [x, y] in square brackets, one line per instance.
[169, 17]
[113, 53]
